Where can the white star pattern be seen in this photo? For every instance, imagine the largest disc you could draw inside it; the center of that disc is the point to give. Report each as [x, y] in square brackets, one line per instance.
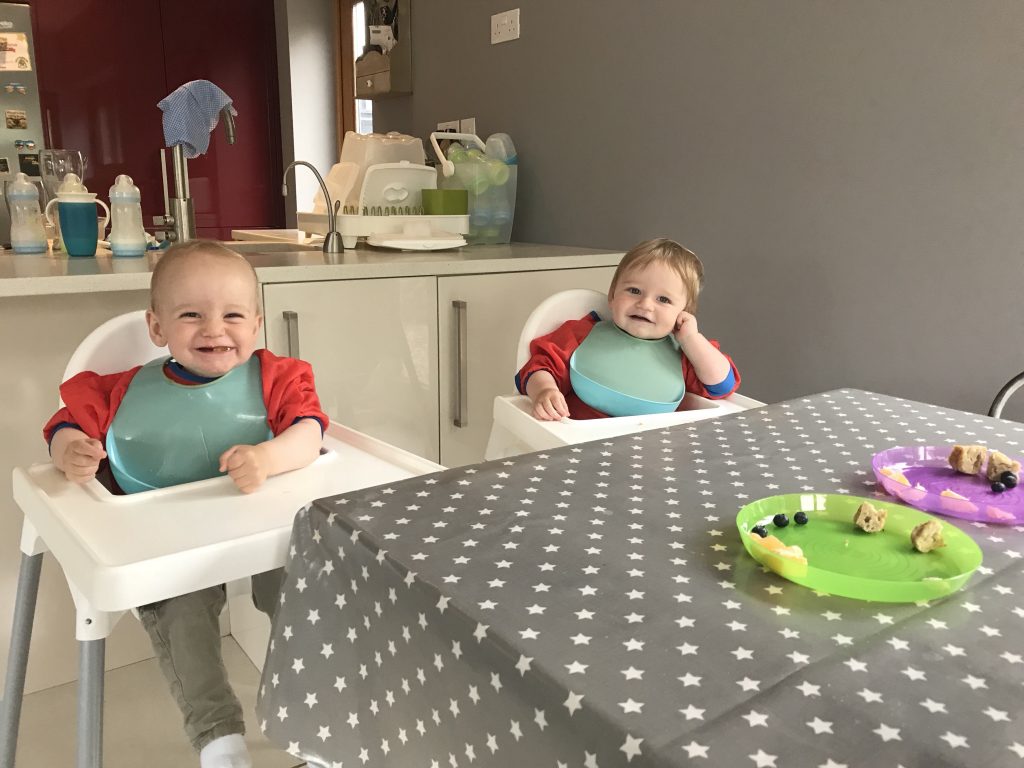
[634, 540]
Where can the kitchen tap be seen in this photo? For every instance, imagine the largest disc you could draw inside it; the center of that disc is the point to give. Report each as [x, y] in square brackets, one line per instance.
[179, 211]
[332, 240]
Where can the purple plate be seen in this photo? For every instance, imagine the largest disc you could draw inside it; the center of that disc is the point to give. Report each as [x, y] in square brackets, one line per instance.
[928, 474]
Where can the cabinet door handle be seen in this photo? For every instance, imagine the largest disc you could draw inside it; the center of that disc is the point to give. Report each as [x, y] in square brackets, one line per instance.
[461, 418]
[291, 324]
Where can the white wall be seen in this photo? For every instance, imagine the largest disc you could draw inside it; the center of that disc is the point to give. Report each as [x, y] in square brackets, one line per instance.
[306, 44]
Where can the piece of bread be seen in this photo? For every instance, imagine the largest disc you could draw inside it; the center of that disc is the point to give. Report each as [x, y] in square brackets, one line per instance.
[927, 536]
[967, 458]
[999, 463]
[869, 518]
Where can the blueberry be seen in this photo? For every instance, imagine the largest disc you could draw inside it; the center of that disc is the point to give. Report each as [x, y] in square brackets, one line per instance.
[1009, 479]
[998, 487]
[780, 520]
[800, 518]
[760, 530]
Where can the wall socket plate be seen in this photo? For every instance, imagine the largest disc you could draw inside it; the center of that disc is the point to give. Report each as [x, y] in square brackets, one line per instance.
[449, 125]
[467, 125]
[505, 26]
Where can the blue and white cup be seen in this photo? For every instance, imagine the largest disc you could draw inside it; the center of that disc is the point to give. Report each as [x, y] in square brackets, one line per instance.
[77, 214]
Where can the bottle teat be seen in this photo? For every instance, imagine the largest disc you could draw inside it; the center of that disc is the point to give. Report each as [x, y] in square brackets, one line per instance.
[124, 190]
[22, 189]
[71, 185]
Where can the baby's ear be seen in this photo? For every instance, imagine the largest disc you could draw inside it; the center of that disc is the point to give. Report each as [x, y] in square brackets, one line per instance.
[155, 333]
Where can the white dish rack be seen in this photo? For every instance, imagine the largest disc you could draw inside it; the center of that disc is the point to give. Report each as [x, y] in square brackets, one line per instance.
[353, 227]
[390, 195]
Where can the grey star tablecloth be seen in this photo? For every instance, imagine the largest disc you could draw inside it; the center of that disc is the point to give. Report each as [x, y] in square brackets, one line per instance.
[593, 606]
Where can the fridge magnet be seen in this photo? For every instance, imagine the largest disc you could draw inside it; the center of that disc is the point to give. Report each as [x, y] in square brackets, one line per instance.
[5, 166]
[16, 118]
[14, 52]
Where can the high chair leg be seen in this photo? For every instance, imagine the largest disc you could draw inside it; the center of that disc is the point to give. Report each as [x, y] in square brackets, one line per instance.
[90, 703]
[17, 657]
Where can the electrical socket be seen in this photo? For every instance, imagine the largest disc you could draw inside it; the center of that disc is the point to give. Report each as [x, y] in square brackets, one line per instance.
[449, 125]
[467, 125]
[505, 26]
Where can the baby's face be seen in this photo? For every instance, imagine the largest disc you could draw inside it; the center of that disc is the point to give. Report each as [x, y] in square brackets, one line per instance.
[207, 315]
[646, 302]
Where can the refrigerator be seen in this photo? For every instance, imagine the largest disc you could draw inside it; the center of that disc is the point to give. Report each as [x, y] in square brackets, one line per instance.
[21, 126]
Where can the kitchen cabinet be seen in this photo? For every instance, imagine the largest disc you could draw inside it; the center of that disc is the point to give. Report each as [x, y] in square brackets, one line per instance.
[373, 347]
[386, 352]
[492, 312]
[104, 66]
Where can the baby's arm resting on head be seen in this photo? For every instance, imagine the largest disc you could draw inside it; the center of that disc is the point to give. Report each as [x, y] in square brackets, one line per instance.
[710, 365]
[250, 465]
[548, 401]
[76, 454]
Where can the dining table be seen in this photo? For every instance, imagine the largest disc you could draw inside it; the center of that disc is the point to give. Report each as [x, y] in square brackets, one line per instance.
[594, 606]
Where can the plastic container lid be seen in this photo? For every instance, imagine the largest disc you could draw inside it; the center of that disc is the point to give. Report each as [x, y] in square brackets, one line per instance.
[22, 189]
[124, 190]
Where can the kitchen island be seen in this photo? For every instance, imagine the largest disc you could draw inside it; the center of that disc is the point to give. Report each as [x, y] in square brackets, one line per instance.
[378, 326]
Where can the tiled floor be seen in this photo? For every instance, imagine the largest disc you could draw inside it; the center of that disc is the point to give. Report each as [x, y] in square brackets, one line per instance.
[142, 725]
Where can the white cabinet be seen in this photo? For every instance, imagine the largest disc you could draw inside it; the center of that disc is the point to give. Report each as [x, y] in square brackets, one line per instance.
[480, 317]
[373, 348]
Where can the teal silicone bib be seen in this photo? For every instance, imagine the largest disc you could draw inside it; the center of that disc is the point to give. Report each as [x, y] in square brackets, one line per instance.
[622, 375]
[166, 433]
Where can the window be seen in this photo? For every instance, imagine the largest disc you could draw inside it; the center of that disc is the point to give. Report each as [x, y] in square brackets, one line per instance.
[364, 107]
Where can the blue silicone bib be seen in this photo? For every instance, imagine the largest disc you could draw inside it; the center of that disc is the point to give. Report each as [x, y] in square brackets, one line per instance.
[621, 375]
[166, 433]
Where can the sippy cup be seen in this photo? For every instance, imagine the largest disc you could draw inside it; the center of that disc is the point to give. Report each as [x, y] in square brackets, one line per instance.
[27, 234]
[76, 210]
[127, 237]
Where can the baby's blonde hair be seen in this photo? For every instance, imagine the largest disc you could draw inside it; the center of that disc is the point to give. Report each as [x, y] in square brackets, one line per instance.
[665, 251]
[180, 252]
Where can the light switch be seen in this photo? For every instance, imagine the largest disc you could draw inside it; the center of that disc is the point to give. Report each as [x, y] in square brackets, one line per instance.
[505, 26]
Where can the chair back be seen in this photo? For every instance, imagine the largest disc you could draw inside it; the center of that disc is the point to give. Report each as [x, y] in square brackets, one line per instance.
[119, 344]
[555, 310]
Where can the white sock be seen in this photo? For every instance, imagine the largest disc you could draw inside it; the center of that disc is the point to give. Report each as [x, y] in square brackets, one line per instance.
[225, 752]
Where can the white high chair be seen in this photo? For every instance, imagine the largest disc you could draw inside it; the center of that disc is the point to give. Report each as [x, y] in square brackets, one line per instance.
[119, 552]
[516, 431]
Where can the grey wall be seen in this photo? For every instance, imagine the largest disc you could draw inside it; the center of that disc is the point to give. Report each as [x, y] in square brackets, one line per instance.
[850, 171]
[306, 40]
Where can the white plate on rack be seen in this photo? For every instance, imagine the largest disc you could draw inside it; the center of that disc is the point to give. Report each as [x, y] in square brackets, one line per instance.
[406, 242]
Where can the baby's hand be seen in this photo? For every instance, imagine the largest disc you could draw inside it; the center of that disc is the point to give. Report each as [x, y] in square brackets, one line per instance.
[246, 465]
[686, 327]
[82, 458]
[550, 405]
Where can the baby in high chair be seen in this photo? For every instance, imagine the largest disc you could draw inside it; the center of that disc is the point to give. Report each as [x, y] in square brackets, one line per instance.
[217, 405]
[641, 360]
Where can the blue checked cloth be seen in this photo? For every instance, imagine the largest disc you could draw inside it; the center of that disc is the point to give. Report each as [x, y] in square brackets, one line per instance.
[190, 113]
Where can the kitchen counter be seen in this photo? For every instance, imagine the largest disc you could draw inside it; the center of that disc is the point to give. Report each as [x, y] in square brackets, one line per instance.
[51, 275]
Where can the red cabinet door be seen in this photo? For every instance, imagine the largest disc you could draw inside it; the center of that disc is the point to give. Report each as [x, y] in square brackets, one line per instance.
[104, 66]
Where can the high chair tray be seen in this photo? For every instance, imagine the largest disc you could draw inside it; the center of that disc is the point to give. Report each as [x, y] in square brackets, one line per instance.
[116, 550]
[515, 415]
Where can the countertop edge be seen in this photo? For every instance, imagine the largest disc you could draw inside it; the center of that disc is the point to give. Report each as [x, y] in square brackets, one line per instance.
[402, 265]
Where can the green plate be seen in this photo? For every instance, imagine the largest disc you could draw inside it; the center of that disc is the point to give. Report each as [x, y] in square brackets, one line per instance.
[844, 560]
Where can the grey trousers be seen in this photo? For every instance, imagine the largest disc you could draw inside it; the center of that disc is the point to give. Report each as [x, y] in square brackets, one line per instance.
[185, 632]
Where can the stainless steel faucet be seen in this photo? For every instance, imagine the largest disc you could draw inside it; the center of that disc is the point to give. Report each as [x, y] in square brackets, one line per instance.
[332, 240]
[179, 211]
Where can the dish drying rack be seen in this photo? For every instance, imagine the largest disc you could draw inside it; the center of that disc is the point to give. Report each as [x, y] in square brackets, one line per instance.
[390, 203]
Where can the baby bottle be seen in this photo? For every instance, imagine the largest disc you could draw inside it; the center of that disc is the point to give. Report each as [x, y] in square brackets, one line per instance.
[27, 235]
[127, 237]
